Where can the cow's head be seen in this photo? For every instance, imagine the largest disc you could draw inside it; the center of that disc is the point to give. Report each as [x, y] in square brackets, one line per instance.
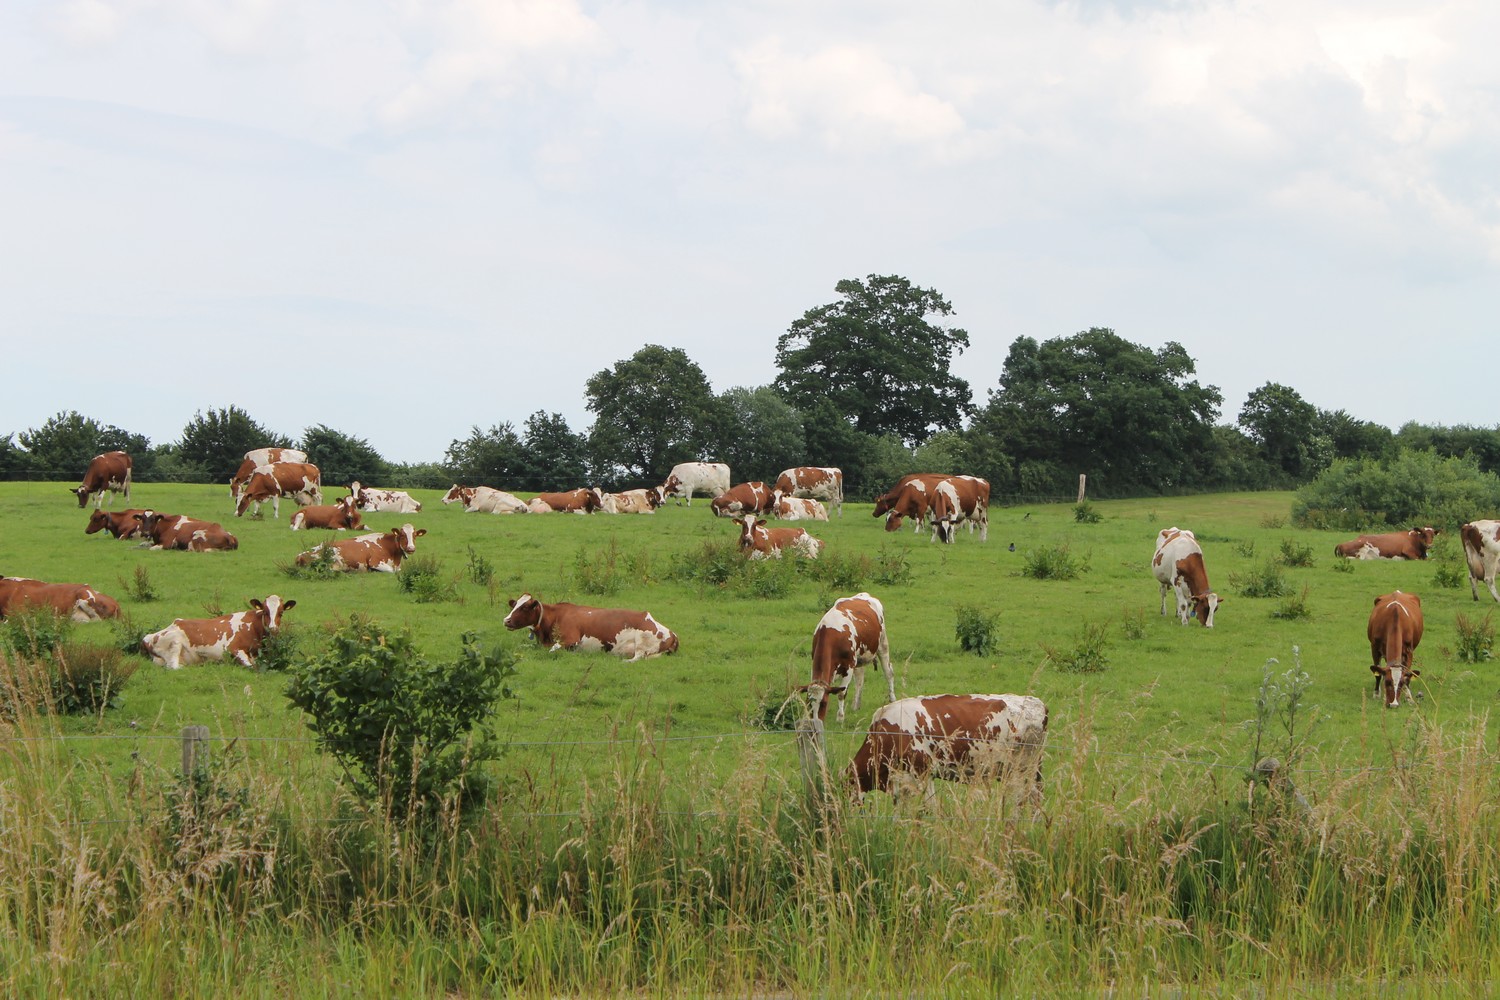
[656, 496]
[671, 487]
[270, 609]
[1394, 678]
[406, 537]
[751, 528]
[1203, 607]
[82, 493]
[1423, 538]
[459, 494]
[149, 520]
[525, 611]
[98, 521]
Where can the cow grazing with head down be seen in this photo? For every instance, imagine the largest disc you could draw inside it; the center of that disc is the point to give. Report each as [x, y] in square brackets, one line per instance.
[107, 473]
[255, 458]
[960, 500]
[956, 737]
[1178, 566]
[742, 498]
[121, 524]
[797, 508]
[1411, 544]
[644, 501]
[188, 534]
[631, 635]
[850, 635]
[341, 515]
[237, 637]
[76, 601]
[300, 482]
[485, 500]
[579, 501]
[1395, 630]
[1482, 552]
[387, 501]
[912, 503]
[377, 552]
[759, 542]
[814, 482]
[687, 478]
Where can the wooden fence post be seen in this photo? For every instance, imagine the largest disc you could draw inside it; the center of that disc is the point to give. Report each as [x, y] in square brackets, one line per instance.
[810, 749]
[194, 749]
[1082, 479]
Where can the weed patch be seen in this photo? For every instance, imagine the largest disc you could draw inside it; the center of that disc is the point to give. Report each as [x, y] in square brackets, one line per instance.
[1476, 639]
[1053, 562]
[1087, 654]
[977, 631]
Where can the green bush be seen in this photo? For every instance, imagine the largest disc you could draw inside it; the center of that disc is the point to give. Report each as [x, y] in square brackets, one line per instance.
[843, 571]
[1053, 562]
[481, 570]
[975, 630]
[408, 733]
[1293, 606]
[139, 587]
[88, 679]
[1086, 655]
[422, 577]
[1410, 488]
[1133, 623]
[1084, 513]
[1476, 639]
[1449, 575]
[34, 632]
[320, 567]
[1266, 580]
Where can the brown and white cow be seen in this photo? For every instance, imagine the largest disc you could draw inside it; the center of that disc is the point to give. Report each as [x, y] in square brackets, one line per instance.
[956, 737]
[235, 637]
[183, 533]
[797, 508]
[341, 515]
[485, 500]
[816, 482]
[1482, 552]
[742, 498]
[644, 501]
[850, 635]
[1178, 566]
[107, 473]
[255, 458]
[299, 481]
[960, 500]
[377, 552]
[1395, 630]
[579, 501]
[121, 524]
[687, 478]
[912, 503]
[77, 601]
[387, 501]
[631, 635]
[1411, 544]
[759, 542]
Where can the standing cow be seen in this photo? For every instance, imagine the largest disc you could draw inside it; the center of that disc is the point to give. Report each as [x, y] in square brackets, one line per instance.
[107, 473]
[960, 500]
[850, 635]
[1482, 552]
[255, 458]
[1178, 566]
[1394, 631]
[815, 482]
[710, 478]
[302, 482]
[237, 636]
[743, 498]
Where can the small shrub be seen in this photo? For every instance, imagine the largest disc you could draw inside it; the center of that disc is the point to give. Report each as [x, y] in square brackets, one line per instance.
[1448, 575]
[214, 606]
[777, 712]
[712, 564]
[843, 570]
[1476, 640]
[1084, 513]
[1086, 655]
[1266, 580]
[769, 578]
[89, 679]
[34, 632]
[278, 651]
[598, 573]
[1133, 623]
[1295, 555]
[422, 578]
[139, 587]
[1293, 606]
[1343, 565]
[892, 567]
[1273, 522]
[1053, 562]
[320, 567]
[977, 632]
[481, 570]
[1245, 548]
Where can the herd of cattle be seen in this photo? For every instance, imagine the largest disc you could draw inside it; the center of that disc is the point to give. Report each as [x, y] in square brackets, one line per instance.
[909, 740]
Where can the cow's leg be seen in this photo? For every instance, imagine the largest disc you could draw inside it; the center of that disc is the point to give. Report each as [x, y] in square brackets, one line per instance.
[858, 680]
[1163, 599]
[1489, 581]
[883, 651]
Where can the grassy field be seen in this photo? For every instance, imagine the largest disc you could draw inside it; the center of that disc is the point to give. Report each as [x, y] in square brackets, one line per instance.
[1145, 768]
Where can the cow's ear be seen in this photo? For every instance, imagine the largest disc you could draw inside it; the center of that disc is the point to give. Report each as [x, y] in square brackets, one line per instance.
[1222, 601]
[288, 605]
[420, 532]
[511, 602]
[1415, 673]
[257, 604]
[760, 522]
[1375, 668]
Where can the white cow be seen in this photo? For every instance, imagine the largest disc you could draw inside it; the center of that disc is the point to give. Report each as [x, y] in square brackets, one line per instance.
[797, 509]
[485, 500]
[710, 478]
[1482, 552]
[373, 500]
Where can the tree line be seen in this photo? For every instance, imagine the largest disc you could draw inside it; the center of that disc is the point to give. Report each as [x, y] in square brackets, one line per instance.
[864, 384]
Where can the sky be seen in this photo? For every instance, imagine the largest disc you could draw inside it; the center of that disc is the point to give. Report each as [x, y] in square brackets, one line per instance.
[406, 219]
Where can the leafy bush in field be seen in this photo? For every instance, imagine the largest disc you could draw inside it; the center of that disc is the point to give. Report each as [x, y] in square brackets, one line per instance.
[843, 571]
[1085, 513]
[320, 567]
[89, 679]
[1053, 562]
[279, 649]
[422, 578]
[976, 631]
[1449, 575]
[1294, 606]
[721, 565]
[1086, 655]
[1245, 548]
[1293, 554]
[1412, 487]
[1341, 565]
[892, 567]
[1266, 580]
[139, 587]
[34, 632]
[480, 569]
[407, 732]
[712, 564]
[1133, 623]
[1273, 522]
[1476, 640]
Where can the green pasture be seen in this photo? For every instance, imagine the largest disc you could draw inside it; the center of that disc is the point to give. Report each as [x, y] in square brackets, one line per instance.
[1167, 693]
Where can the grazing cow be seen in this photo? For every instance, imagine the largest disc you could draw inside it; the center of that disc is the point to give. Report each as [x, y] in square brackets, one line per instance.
[255, 458]
[297, 480]
[391, 501]
[378, 552]
[122, 524]
[341, 515]
[1411, 544]
[960, 499]
[955, 737]
[180, 532]
[759, 542]
[237, 637]
[711, 478]
[631, 635]
[797, 509]
[485, 500]
[1178, 564]
[579, 501]
[743, 498]
[815, 482]
[632, 501]
[849, 635]
[1482, 552]
[1395, 630]
[77, 601]
[912, 503]
[107, 473]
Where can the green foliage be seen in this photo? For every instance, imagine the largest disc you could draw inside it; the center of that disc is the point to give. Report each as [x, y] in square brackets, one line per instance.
[279, 650]
[408, 733]
[87, 679]
[343, 458]
[761, 436]
[1446, 574]
[1053, 562]
[1266, 580]
[481, 571]
[489, 458]
[1087, 654]
[1410, 488]
[553, 455]
[652, 410]
[777, 712]
[64, 445]
[720, 565]
[1245, 548]
[1294, 606]
[976, 630]
[217, 441]
[1342, 565]
[1086, 513]
[321, 566]
[34, 632]
[139, 587]
[1295, 555]
[1133, 623]
[1273, 522]
[1282, 424]
[892, 567]
[1283, 722]
[608, 569]
[43, 670]
[422, 577]
[1476, 639]
[842, 570]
